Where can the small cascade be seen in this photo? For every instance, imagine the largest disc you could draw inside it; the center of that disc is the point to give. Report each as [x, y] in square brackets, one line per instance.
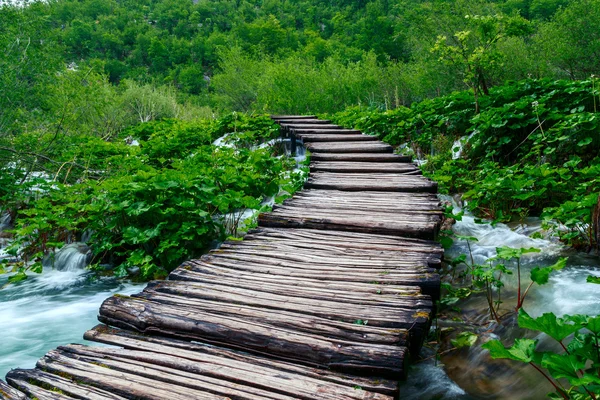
[458, 146]
[4, 220]
[4, 224]
[222, 141]
[72, 257]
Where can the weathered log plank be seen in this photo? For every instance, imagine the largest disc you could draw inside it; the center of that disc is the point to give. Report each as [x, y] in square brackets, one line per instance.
[32, 391]
[370, 182]
[216, 375]
[325, 254]
[187, 273]
[294, 117]
[349, 147]
[312, 138]
[9, 393]
[428, 281]
[345, 206]
[364, 167]
[322, 292]
[294, 320]
[301, 125]
[59, 384]
[288, 311]
[127, 384]
[152, 318]
[422, 230]
[304, 121]
[318, 264]
[295, 375]
[318, 130]
[361, 157]
[340, 238]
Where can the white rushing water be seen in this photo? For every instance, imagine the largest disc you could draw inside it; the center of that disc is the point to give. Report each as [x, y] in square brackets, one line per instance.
[470, 373]
[53, 308]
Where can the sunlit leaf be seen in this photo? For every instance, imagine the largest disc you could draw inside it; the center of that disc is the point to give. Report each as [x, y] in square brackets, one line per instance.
[556, 328]
[464, 339]
[541, 275]
[522, 350]
[562, 365]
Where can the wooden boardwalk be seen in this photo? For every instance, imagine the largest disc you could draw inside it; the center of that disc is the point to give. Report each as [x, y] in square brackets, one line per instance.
[325, 300]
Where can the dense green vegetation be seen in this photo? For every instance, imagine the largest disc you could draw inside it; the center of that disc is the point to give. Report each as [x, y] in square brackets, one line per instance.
[145, 207]
[109, 111]
[533, 150]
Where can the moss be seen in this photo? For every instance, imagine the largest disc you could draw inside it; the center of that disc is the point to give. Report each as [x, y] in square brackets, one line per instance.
[421, 314]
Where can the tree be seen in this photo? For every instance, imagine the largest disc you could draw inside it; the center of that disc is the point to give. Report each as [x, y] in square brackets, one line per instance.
[571, 41]
[474, 51]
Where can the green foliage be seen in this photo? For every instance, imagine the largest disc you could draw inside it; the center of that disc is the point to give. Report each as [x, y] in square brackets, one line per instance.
[578, 365]
[464, 339]
[156, 204]
[532, 150]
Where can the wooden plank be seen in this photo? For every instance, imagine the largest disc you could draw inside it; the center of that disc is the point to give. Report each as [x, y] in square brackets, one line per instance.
[294, 117]
[361, 157]
[59, 384]
[292, 311]
[304, 121]
[365, 167]
[370, 182]
[348, 205]
[349, 147]
[216, 376]
[427, 279]
[367, 296]
[126, 383]
[319, 130]
[152, 318]
[9, 393]
[311, 138]
[294, 375]
[32, 391]
[421, 230]
[301, 125]
[293, 208]
[187, 273]
[325, 254]
[345, 239]
[320, 265]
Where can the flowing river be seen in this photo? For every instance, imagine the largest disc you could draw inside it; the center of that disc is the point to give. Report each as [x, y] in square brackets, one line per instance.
[470, 373]
[50, 309]
[58, 306]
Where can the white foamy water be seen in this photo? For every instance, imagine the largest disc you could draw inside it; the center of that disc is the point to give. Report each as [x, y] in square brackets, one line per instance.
[470, 373]
[49, 310]
[52, 308]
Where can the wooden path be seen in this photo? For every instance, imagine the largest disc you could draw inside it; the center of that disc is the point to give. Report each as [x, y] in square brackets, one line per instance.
[325, 300]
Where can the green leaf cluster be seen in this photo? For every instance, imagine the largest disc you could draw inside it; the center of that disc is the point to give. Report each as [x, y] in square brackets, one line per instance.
[152, 206]
[573, 373]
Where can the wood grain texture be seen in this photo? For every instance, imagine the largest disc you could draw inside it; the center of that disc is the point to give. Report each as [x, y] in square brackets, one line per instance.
[240, 362]
[10, 393]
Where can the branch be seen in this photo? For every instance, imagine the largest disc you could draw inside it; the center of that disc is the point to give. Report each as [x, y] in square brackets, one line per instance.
[43, 157]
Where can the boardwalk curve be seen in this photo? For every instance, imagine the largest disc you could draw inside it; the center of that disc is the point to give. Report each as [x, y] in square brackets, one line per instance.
[326, 299]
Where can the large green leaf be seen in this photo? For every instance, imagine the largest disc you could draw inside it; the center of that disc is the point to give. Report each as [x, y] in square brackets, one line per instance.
[556, 328]
[584, 346]
[563, 365]
[542, 275]
[508, 253]
[522, 350]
